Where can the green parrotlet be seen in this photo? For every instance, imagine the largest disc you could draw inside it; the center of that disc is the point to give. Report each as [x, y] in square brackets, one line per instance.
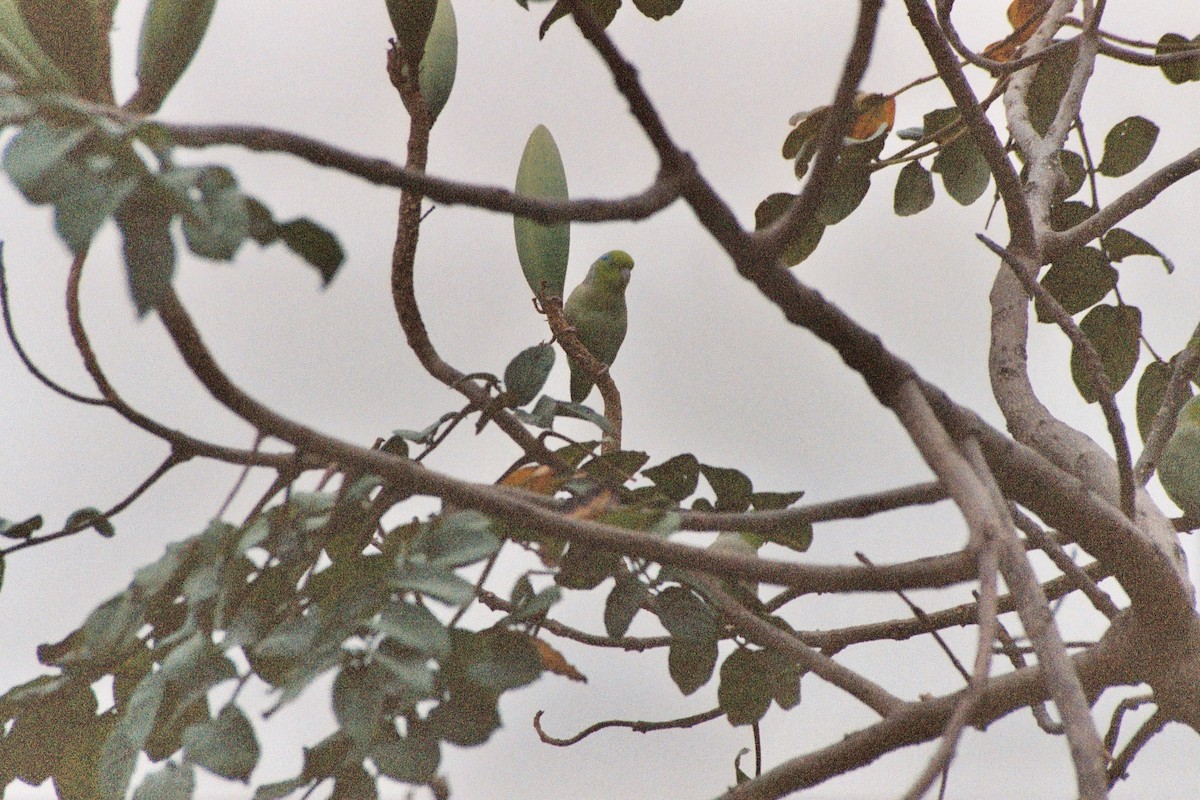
[1179, 467]
[596, 309]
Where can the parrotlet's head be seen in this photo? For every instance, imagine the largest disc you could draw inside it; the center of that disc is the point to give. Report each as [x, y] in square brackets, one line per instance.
[612, 270]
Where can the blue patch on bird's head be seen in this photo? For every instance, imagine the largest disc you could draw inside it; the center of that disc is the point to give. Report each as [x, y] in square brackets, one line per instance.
[614, 267]
[618, 258]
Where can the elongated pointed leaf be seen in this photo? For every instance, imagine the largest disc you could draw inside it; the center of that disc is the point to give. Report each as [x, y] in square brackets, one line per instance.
[526, 374]
[171, 34]
[440, 62]
[22, 57]
[74, 34]
[144, 220]
[542, 249]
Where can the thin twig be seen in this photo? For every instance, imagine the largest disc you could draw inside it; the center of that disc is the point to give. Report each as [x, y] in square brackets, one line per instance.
[1119, 767]
[636, 725]
[763, 633]
[920, 614]
[1099, 598]
[174, 459]
[31, 367]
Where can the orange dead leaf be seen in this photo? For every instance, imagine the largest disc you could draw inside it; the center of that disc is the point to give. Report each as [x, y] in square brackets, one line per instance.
[1025, 16]
[536, 478]
[875, 110]
[554, 662]
[595, 506]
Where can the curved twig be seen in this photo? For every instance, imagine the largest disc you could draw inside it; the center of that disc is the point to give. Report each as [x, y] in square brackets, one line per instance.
[174, 459]
[31, 367]
[635, 725]
[178, 440]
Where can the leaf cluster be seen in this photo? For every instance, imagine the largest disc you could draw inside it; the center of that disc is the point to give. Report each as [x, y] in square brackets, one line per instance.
[309, 586]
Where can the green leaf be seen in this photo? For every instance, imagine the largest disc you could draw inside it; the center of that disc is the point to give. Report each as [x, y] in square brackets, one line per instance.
[543, 250]
[468, 718]
[547, 409]
[684, 615]
[1048, 86]
[657, 9]
[1075, 172]
[440, 60]
[119, 755]
[215, 226]
[603, 10]
[1064, 216]
[691, 663]
[526, 374]
[845, 192]
[784, 676]
[435, 582]
[172, 782]
[225, 746]
[766, 501]
[914, 190]
[498, 659]
[23, 529]
[1114, 332]
[414, 626]
[412, 759]
[732, 487]
[75, 37]
[38, 162]
[803, 245]
[584, 567]
[82, 209]
[623, 604]
[744, 693]
[965, 173]
[1120, 243]
[358, 701]
[315, 244]
[1078, 279]
[353, 783]
[144, 220]
[458, 539]
[412, 21]
[676, 477]
[91, 518]
[620, 466]
[24, 58]
[170, 36]
[279, 789]
[1127, 145]
[1179, 71]
[1151, 391]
